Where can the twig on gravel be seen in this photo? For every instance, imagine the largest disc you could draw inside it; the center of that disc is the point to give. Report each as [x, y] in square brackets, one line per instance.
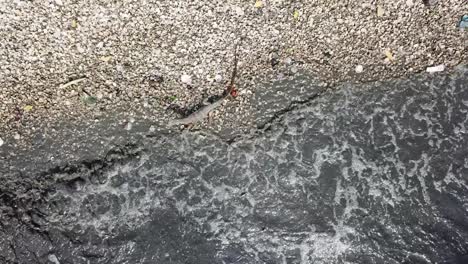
[204, 111]
[230, 87]
[63, 86]
[86, 92]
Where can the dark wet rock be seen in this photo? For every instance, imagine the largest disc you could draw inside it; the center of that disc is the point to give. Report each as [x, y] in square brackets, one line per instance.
[371, 173]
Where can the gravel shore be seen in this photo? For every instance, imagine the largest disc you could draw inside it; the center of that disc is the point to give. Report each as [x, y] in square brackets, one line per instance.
[146, 58]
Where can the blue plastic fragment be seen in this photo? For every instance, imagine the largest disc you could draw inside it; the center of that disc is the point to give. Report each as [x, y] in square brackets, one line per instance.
[463, 22]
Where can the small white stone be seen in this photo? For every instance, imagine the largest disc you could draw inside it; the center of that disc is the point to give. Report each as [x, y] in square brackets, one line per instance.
[409, 2]
[52, 258]
[185, 78]
[17, 136]
[67, 103]
[294, 69]
[79, 48]
[218, 78]
[59, 2]
[1, 142]
[438, 68]
[129, 126]
[359, 69]
[239, 11]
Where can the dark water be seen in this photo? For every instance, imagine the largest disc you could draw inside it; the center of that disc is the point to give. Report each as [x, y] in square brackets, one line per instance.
[372, 173]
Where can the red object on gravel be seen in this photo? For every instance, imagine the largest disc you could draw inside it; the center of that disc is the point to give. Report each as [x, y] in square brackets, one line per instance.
[234, 93]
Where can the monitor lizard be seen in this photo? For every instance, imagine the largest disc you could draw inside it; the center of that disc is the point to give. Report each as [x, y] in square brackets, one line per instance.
[201, 114]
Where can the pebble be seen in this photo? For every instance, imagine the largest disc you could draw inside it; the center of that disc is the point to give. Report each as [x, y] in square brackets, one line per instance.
[359, 69]
[129, 125]
[209, 79]
[17, 136]
[380, 11]
[186, 79]
[288, 61]
[294, 69]
[1, 142]
[52, 258]
[463, 22]
[239, 11]
[430, 2]
[218, 78]
[438, 68]
[274, 59]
